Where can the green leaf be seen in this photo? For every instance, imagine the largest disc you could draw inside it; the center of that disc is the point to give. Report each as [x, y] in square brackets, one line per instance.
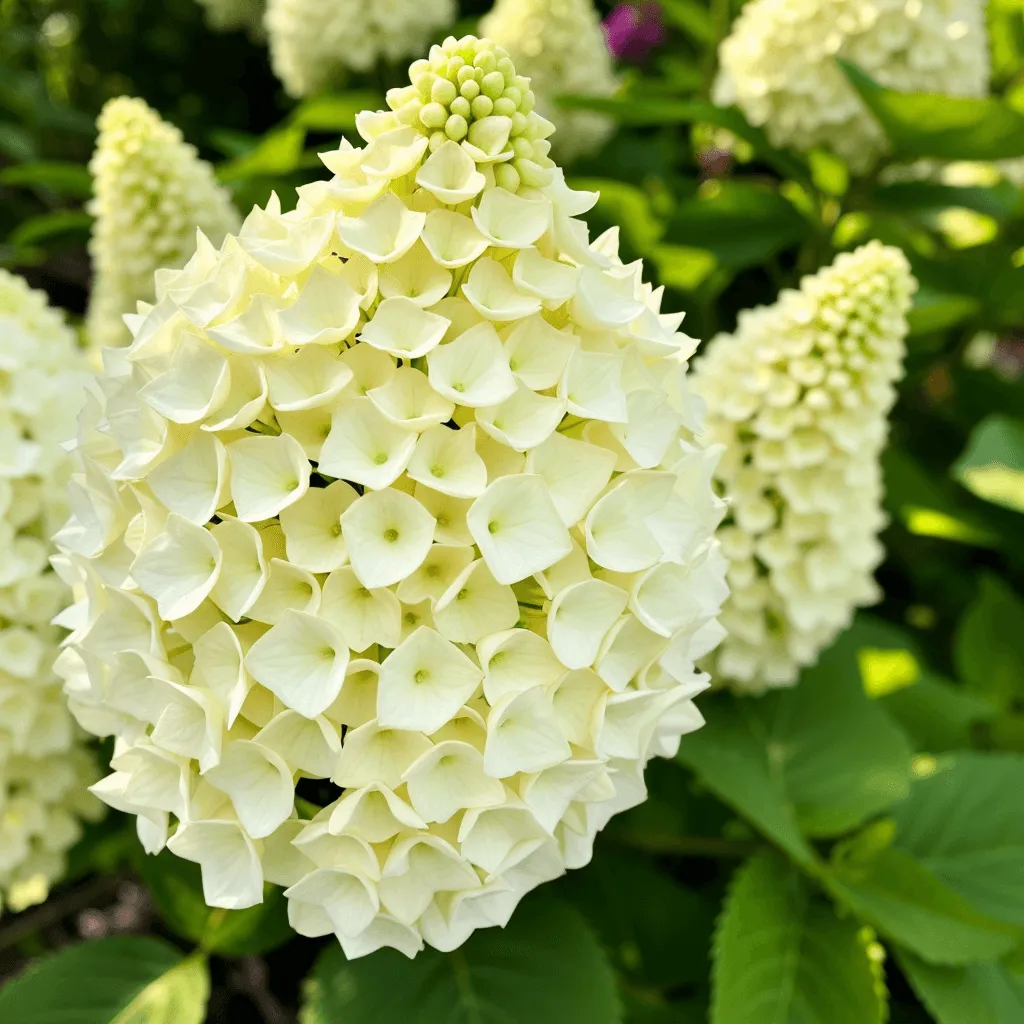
[682, 267]
[545, 965]
[992, 466]
[740, 223]
[334, 113]
[112, 981]
[657, 930]
[937, 310]
[280, 152]
[782, 956]
[692, 18]
[897, 895]
[977, 994]
[997, 201]
[64, 178]
[935, 125]
[49, 226]
[176, 886]
[818, 759]
[989, 644]
[936, 714]
[965, 822]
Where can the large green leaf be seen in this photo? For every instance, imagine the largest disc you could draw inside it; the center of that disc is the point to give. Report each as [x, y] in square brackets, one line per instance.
[782, 956]
[989, 648]
[46, 227]
[902, 899]
[936, 714]
[544, 966]
[279, 152]
[997, 201]
[65, 178]
[624, 205]
[818, 759]
[176, 886]
[992, 466]
[657, 930]
[112, 981]
[739, 222]
[977, 994]
[334, 113]
[935, 125]
[965, 822]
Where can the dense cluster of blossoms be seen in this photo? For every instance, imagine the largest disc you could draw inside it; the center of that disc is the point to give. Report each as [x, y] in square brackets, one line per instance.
[779, 65]
[44, 768]
[150, 194]
[315, 43]
[560, 45]
[799, 396]
[394, 547]
[229, 15]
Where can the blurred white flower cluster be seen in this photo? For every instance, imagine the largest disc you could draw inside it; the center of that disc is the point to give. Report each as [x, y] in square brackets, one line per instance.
[393, 505]
[778, 65]
[313, 43]
[799, 396]
[44, 769]
[229, 15]
[560, 46]
[151, 193]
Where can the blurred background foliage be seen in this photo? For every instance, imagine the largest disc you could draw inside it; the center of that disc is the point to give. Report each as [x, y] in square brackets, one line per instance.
[923, 697]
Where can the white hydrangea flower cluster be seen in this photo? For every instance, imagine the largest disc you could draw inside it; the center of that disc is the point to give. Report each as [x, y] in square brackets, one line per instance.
[778, 65]
[150, 194]
[393, 505]
[230, 15]
[44, 768]
[315, 43]
[560, 46]
[799, 396]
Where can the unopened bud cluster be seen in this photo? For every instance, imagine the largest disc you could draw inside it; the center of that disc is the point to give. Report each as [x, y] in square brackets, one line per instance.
[799, 396]
[468, 92]
[44, 767]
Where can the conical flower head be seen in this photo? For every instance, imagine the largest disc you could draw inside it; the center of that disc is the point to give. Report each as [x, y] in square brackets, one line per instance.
[151, 194]
[560, 45]
[314, 43]
[398, 491]
[778, 65]
[799, 396]
[44, 767]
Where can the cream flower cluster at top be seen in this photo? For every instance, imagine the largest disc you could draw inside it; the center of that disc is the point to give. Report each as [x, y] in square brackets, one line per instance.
[315, 43]
[44, 768]
[150, 194]
[228, 15]
[393, 506]
[778, 65]
[799, 397]
[560, 45]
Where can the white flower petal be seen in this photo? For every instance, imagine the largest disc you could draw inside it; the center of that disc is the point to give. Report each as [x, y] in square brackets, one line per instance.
[474, 605]
[193, 481]
[243, 569]
[523, 735]
[388, 534]
[452, 238]
[537, 352]
[523, 421]
[472, 369]
[450, 174]
[509, 221]
[617, 537]
[364, 446]
[493, 295]
[417, 277]
[363, 617]
[267, 475]
[305, 379]
[373, 813]
[448, 778]
[516, 660]
[575, 473]
[287, 587]
[408, 401]
[579, 618]
[373, 753]
[402, 328]
[446, 460]
[312, 527]
[384, 231]
[444, 562]
[259, 784]
[551, 281]
[579, 700]
[592, 386]
[326, 311]
[232, 876]
[309, 745]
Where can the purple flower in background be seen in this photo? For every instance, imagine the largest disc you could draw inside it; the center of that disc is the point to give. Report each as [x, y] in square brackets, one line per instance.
[633, 30]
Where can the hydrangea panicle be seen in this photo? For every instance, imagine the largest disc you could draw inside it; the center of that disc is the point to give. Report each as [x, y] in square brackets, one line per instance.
[799, 397]
[44, 766]
[561, 47]
[151, 193]
[314, 43]
[779, 65]
[399, 492]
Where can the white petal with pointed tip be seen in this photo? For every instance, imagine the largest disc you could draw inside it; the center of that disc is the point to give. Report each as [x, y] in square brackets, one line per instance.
[523, 421]
[444, 562]
[448, 778]
[243, 570]
[592, 386]
[309, 745]
[474, 605]
[575, 473]
[617, 537]
[447, 461]
[450, 175]
[472, 370]
[232, 876]
[362, 616]
[193, 481]
[417, 277]
[326, 311]
[516, 660]
[402, 328]
[537, 352]
[302, 660]
[523, 735]
[409, 401]
[452, 238]
[288, 587]
[551, 281]
[267, 475]
[305, 379]
[424, 682]
[605, 300]
[493, 295]
[517, 528]
[364, 446]
[373, 813]
[388, 534]
[312, 527]
[347, 898]
[384, 231]
[418, 867]
[259, 784]
[579, 618]
[195, 384]
[374, 753]
[218, 667]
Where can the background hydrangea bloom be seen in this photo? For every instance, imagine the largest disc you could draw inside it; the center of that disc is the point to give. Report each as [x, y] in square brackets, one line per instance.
[315, 42]
[228, 15]
[44, 769]
[151, 192]
[560, 46]
[778, 65]
[395, 504]
[799, 396]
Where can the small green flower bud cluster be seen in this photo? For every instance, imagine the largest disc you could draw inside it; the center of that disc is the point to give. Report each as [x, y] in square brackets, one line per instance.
[468, 92]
